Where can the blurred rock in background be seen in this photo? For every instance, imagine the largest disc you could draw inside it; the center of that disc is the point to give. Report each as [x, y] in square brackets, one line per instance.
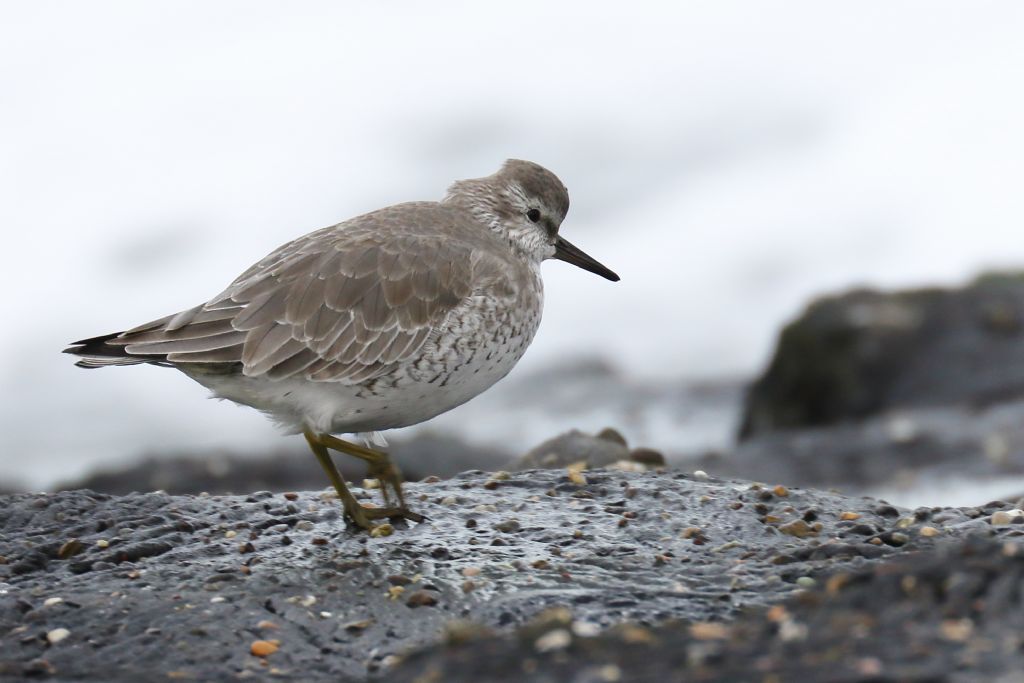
[890, 392]
[862, 353]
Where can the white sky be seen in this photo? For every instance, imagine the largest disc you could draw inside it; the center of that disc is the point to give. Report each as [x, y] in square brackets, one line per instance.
[730, 160]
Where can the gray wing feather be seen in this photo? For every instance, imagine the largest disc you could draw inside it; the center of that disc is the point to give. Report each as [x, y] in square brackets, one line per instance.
[342, 304]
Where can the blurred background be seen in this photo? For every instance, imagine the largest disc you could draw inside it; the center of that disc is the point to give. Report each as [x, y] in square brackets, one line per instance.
[730, 160]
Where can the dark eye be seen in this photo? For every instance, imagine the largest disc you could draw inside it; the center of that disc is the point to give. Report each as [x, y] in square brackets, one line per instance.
[533, 215]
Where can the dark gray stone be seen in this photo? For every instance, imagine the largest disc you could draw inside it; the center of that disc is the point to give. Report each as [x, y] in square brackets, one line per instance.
[572, 447]
[920, 444]
[861, 353]
[953, 615]
[180, 584]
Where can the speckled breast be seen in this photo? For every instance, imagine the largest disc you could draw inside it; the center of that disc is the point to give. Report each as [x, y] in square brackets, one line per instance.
[480, 343]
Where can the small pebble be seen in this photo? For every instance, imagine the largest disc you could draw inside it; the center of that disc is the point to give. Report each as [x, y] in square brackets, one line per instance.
[806, 582]
[70, 549]
[780, 491]
[382, 530]
[798, 528]
[50, 602]
[263, 648]
[304, 600]
[576, 476]
[56, 635]
[929, 531]
[492, 482]
[358, 626]
[421, 599]
[1004, 517]
[508, 526]
[557, 639]
[897, 539]
[849, 516]
[700, 475]
[709, 630]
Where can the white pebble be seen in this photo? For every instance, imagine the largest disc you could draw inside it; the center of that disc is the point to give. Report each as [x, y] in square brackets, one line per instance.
[1004, 517]
[50, 602]
[585, 629]
[57, 635]
[558, 639]
[700, 475]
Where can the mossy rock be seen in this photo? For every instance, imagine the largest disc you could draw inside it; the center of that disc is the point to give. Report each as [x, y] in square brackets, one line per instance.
[866, 351]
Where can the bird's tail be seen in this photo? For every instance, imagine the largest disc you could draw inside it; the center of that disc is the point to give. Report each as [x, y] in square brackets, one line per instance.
[97, 353]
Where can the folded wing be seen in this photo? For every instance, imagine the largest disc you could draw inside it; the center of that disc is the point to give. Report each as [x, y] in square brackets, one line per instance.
[333, 306]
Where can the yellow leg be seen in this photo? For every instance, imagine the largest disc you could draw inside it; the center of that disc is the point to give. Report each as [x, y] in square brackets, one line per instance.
[380, 467]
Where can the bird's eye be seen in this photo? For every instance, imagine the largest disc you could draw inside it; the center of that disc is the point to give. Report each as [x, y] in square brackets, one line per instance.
[533, 215]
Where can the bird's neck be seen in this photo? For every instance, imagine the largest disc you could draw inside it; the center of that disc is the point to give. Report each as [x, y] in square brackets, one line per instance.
[478, 200]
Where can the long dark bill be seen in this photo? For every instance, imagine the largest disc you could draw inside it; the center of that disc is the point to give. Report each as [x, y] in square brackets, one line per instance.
[568, 252]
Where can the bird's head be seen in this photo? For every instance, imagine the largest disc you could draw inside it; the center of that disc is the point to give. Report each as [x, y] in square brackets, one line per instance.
[525, 203]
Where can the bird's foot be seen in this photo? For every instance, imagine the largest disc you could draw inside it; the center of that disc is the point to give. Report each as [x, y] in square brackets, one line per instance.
[363, 516]
[390, 478]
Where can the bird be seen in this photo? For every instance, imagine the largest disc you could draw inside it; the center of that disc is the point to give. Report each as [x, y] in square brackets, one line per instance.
[381, 321]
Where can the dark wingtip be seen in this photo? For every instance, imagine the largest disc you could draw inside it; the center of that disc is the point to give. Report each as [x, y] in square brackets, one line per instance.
[97, 346]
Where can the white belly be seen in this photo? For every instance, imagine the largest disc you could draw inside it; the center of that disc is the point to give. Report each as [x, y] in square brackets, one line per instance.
[480, 343]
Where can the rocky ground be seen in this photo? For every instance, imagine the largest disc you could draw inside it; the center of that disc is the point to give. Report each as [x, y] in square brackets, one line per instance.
[956, 614]
[96, 587]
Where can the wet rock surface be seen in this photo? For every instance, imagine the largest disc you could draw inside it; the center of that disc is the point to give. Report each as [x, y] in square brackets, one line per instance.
[216, 587]
[955, 614]
[897, 448]
[865, 352]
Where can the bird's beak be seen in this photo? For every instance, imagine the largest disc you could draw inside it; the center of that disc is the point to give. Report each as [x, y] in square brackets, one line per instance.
[568, 252]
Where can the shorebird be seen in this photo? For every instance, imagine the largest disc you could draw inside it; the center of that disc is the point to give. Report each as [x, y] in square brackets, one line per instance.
[382, 321]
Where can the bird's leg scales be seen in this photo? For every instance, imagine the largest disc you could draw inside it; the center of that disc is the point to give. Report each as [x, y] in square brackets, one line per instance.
[379, 466]
[353, 509]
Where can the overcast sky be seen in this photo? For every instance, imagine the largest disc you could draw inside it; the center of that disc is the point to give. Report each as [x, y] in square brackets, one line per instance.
[729, 160]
